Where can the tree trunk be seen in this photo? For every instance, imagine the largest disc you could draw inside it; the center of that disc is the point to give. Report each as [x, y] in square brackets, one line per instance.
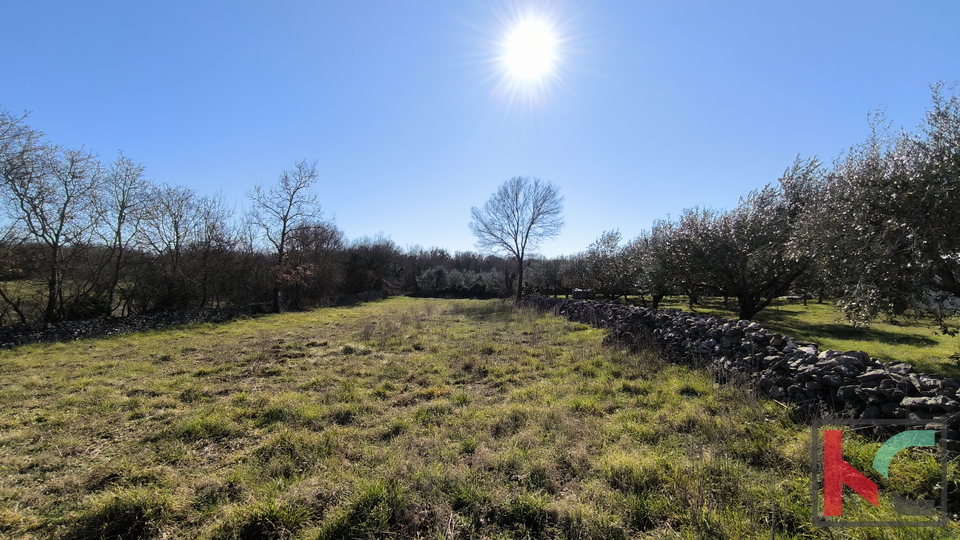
[276, 280]
[53, 288]
[519, 279]
[115, 279]
[655, 301]
[15, 306]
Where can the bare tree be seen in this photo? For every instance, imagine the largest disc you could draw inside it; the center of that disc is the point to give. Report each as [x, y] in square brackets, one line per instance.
[211, 248]
[49, 193]
[276, 211]
[521, 214]
[18, 145]
[123, 205]
[310, 269]
[169, 228]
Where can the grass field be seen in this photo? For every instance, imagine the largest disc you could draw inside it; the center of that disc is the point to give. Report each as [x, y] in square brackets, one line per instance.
[907, 339]
[397, 419]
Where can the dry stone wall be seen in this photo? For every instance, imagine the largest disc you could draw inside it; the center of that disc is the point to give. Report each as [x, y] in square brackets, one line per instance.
[846, 384]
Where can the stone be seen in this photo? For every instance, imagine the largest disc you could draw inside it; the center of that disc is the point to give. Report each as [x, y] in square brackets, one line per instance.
[871, 413]
[846, 393]
[892, 410]
[928, 382]
[861, 356]
[733, 333]
[933, 404]
[900, 369]
[889, 383]
[894, 395]
[773, 361]
[848, 369]
[874, 375]
[869, 396]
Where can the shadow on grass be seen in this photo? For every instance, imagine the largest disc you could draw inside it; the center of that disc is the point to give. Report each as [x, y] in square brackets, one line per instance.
[790, 322]
[848, 332]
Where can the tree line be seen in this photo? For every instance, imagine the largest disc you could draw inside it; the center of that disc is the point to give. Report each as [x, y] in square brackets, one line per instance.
[80, 238]
[878, 229]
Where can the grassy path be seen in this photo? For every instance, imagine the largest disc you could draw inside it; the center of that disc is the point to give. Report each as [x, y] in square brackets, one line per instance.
[403, 419]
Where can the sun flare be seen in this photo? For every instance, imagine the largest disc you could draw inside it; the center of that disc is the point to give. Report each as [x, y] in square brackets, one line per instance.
[530, 50]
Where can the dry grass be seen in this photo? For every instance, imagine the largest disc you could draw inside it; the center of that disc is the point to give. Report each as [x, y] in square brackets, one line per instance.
[401, 418]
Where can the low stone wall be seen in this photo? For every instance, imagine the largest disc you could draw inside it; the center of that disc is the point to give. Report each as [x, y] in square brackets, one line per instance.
[824, 383]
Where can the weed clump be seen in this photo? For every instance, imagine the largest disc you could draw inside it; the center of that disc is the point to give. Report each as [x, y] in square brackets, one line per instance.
[376, 510]
[124, 515]
[263, 521]
[350, 349]
[290, 453]
[207, 424]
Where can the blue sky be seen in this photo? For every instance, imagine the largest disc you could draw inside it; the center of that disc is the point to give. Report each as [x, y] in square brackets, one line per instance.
[651, 107]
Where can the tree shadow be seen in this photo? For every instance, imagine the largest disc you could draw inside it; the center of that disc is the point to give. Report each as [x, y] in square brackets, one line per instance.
[789, 322]
[848, 332]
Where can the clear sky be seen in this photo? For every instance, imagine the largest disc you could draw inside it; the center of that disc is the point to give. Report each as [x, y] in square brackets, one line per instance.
[414, 115]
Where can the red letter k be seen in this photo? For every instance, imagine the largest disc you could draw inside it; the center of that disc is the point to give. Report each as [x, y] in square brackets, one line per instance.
[837, 472]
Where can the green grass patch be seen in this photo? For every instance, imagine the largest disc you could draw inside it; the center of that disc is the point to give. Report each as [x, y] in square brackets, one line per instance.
[915, 339]
[403, 418]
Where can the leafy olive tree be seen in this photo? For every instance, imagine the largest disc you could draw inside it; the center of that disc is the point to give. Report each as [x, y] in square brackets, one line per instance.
[694, 250]
[887, 226]
[658, 260]
[613, 268]
[756, 261]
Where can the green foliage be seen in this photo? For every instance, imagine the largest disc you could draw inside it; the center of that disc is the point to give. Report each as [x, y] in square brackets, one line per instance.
[885, 228]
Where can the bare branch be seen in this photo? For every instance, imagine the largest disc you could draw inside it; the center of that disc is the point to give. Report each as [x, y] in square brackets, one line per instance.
[518, 216]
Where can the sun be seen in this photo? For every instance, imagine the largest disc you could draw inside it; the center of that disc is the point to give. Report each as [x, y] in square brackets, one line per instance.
[530, 57]
[530, 50]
